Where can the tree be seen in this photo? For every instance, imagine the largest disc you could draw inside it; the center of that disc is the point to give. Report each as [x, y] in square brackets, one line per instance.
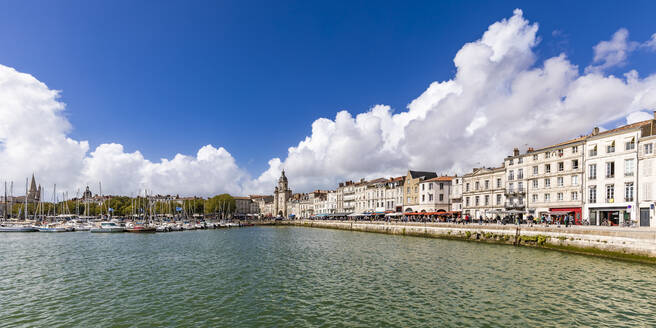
[221, 204]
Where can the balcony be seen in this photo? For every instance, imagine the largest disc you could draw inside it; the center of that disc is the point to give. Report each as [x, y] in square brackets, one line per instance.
[515, 191]
[517, 204]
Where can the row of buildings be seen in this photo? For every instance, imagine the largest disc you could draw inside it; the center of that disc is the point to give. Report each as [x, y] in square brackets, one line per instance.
[604, 178]
[416, 192]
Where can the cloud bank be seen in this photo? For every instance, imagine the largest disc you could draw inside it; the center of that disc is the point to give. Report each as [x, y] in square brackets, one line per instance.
[500, 97]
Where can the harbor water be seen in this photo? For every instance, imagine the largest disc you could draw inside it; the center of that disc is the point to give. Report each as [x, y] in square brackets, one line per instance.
[307, 277]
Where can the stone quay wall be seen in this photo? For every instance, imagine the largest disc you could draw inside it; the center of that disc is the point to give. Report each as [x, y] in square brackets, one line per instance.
[637, 244]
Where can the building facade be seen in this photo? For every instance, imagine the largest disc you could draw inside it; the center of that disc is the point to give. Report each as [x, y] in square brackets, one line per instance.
[611, 180]
[434, 194]
[484, 192]
[411, 194]
[456, 194]
[281, 195]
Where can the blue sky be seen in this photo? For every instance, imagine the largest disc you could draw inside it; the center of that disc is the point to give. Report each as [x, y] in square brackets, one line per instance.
[167, 77]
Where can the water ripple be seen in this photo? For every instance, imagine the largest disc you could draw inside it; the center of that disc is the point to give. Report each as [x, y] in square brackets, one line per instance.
[303, 277]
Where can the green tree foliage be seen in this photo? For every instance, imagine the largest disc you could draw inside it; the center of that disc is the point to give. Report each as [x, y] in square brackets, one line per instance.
[223, 204]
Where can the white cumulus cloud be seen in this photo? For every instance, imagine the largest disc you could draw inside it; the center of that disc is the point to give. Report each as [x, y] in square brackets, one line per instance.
[500, 98]
[613, 52]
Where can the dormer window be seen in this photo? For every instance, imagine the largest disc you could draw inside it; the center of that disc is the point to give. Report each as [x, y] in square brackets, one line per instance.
[630, 145]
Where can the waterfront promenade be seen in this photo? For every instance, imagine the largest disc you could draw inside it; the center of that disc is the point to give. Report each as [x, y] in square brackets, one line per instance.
[616, 242]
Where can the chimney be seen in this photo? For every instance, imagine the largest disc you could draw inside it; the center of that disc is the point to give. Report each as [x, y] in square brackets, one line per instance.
[655, 114]
[530, 150]
[595, 131]
[516, 152]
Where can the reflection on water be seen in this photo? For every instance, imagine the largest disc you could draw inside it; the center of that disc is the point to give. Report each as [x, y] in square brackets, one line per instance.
[291, 276]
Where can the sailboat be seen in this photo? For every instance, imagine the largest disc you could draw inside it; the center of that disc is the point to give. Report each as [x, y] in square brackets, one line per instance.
[141, 226]
[13, 228]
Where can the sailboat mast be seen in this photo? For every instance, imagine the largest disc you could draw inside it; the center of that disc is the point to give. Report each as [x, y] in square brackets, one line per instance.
[25, 199]
[5, 201]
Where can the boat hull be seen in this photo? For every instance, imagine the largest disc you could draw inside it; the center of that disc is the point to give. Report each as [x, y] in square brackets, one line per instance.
[141, 229]
[53, 230]
[18, 229]
[106, 230]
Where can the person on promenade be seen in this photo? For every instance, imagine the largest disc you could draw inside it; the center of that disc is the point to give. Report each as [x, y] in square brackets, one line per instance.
[566, 221]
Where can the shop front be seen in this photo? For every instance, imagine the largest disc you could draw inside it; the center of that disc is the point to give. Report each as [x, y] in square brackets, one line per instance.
[609, 216]
[575, 211]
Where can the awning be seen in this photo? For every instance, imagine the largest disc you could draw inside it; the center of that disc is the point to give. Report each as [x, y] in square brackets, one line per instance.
[556, 212]
[394, 214]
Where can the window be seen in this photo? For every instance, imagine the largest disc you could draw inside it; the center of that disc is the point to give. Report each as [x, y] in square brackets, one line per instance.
[430, 186]
[408, 190]
[610, 169]
[561, 166]
[511, 175]
[592, 171]
[520, 174]
[511, 186]
[547, 183]
[520, 160]
[559, 181]
[630, 145]
[649, 148]
[535, 170]
[441, 185]
[520, 186]
[487, 184]
[498, 199]
[547, 197]
[575, 149]
[547, 168]
[487, 200]
[511, 162]
[466, 201]
[593, 151]
[535, 198]
[560, 152]
[611, 147]
[629, 167]
[628, 191]
[423, 187]
[575, 195]
[535, 157]
[498, 183]
[592, 194]
[559, 196]
[477, 200]
[610, 193]
[430, 197]
[575, 180]
[535, 183]
[467, 186]
[575, 164]
[441, 197]
[477, 185]
[547, 155]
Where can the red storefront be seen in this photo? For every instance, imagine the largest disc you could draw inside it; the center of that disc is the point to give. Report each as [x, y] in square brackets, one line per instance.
[570, 210]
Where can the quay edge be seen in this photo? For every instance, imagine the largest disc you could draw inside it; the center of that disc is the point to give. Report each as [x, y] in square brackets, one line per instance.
[636, 245]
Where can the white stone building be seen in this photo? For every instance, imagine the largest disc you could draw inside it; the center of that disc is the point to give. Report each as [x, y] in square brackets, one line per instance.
[611, 162]
[434, 194]
[484, 192]
[375, 195]
[547, 180]
[646, 174]
[394, 194]
[456, 194]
